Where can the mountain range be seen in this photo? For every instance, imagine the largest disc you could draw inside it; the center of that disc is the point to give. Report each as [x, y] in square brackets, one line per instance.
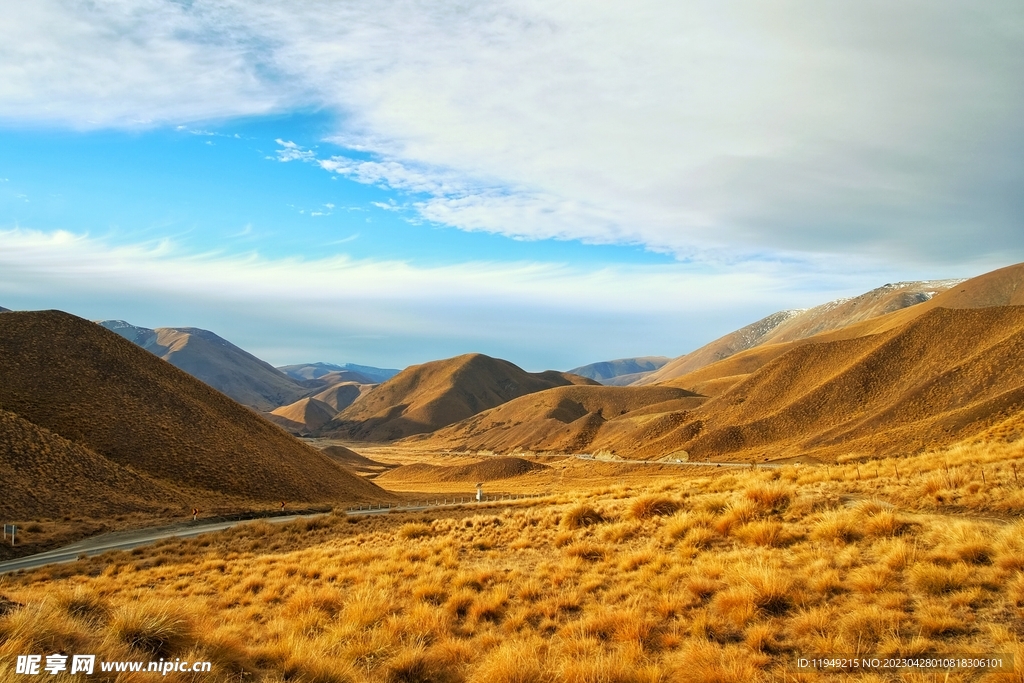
[622, 371]
[423, 398]
[918, 376]
[364, 374]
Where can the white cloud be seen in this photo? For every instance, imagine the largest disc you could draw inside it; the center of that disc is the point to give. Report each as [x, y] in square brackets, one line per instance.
[890, 130]
[537, 314]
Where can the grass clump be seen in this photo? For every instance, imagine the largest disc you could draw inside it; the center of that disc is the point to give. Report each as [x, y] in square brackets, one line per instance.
[653, 506]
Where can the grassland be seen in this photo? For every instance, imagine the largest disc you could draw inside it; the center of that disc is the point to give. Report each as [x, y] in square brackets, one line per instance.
[680, 575]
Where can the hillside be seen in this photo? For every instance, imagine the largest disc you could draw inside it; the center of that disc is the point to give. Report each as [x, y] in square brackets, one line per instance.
[303, 416]
[425, 397]
[564, 419]
[488, 469]
[342, 395]
[1003, 287]
[217, 362]
[625, 370]
[4, 310]
[792, 325]
[46, 475]
[943, 376]
[364, 374]
[104, 394]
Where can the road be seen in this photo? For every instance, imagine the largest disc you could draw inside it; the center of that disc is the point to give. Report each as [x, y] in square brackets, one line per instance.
[132, 539]
[126, 540]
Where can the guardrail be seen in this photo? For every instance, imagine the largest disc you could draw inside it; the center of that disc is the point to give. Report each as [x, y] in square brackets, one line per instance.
[442, 501]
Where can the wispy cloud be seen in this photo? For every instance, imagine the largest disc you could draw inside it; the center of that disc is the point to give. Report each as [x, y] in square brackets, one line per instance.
[536, 313]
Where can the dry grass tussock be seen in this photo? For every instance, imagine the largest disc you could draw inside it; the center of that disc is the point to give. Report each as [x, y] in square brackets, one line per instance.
[723, 577]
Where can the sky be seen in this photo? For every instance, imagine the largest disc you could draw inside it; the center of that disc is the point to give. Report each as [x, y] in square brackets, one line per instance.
[552, 183]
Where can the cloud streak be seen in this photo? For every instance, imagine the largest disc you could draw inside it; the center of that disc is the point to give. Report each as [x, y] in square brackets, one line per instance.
[538, 314]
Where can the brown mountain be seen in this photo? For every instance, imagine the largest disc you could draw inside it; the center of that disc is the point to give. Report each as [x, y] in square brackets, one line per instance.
[622, 371]
[342, 395]
[1003, 287]
[85, 390]
[425, 397]
[943, 376]
[217, 362]
[572, 419]
[787, 326]
[922, 375]
[303, 416]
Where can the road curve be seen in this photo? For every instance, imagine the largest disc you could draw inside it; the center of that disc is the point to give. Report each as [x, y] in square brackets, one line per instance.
[133, 539]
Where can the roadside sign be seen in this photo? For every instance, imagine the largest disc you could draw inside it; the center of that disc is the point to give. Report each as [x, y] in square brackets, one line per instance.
[10, 529]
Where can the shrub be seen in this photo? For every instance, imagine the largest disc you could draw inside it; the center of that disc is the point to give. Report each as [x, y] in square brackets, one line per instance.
[581, 516]
[415, 530]
[653, 506]
[152, 630]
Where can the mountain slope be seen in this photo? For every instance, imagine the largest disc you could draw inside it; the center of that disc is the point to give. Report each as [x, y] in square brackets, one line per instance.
[103, 393]
[217, 362]
[341, 396]
[303, 416]
[605, 371]
[425, 397]
[364, 374]
[1003, 287]
[46, 475]
[943, 376]
[800, 324]
[572, 419]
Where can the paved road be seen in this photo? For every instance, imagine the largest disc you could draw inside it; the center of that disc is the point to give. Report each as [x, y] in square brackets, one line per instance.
[126, 540]
[133, 539]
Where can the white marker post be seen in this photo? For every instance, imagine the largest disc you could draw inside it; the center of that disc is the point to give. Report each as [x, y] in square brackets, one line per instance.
[479, 492]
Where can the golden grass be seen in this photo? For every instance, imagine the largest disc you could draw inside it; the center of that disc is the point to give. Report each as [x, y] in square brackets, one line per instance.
[708, 576]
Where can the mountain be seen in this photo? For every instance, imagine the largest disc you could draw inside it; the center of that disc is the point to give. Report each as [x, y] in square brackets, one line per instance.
[349, 372]
[217, 362]
[943, 376]
[1003, 287]
[82, 403]
[622, 371]
[342, 395]
[303, 416]
[799, 324]
[566, 419]
[4, 310]
[425, 397]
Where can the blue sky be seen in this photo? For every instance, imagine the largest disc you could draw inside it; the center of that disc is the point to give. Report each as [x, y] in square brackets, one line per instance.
[393, 184]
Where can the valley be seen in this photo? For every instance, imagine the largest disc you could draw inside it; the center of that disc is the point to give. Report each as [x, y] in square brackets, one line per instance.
[841, 480]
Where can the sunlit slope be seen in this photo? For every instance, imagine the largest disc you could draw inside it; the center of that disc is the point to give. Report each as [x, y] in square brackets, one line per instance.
[92, 387]
[341, 396]
[1003, 287]
[423, 398]
[217, 362]
[936, 379]
[786, 326]
[304, 415]
[945, 375]
[568, 419]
